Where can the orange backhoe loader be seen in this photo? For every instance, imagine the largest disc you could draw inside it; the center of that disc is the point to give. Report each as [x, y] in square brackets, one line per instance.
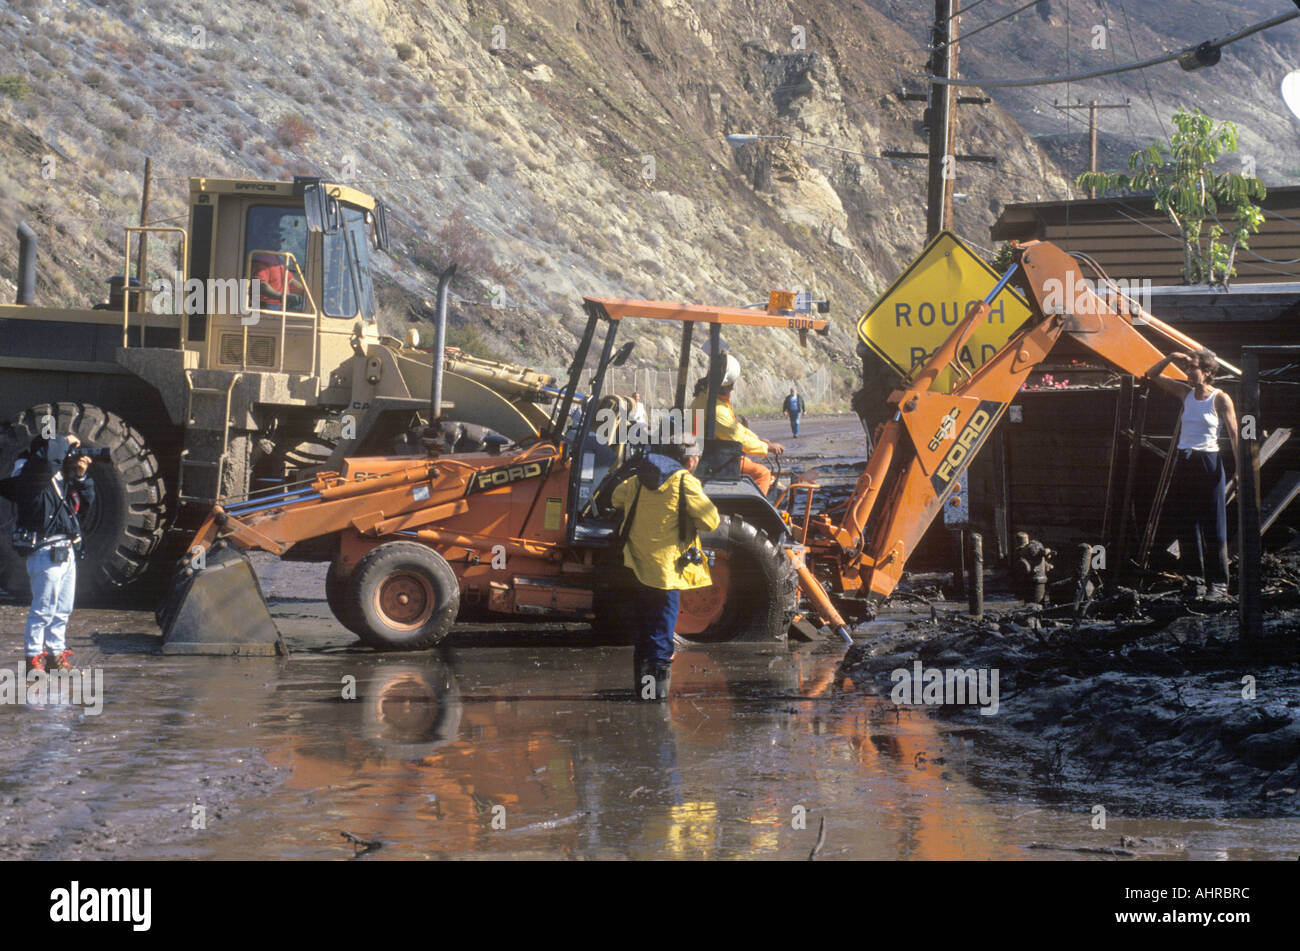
[523, 529]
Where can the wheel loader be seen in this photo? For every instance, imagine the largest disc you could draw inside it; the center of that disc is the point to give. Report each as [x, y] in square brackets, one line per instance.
[254, 359]
[523, 529]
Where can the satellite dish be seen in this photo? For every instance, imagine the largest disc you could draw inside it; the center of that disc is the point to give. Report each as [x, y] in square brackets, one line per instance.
[1291, 92]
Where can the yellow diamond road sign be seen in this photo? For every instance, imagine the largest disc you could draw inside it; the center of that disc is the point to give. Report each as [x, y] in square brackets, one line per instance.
[923, 306]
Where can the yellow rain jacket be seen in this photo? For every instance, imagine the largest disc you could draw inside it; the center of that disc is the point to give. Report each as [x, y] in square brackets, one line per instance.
[653, 541]
[729, 428]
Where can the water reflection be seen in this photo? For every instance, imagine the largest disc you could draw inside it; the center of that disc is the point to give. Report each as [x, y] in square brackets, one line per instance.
[512, 751]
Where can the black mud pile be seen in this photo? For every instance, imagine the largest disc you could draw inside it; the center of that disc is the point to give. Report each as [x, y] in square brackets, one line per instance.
[1147, 703]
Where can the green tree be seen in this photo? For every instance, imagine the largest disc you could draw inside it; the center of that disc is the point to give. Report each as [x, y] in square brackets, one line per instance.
[1180, 176]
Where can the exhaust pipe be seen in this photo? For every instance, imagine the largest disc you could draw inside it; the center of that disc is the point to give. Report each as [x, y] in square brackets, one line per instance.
[439, 348]
[26, 264]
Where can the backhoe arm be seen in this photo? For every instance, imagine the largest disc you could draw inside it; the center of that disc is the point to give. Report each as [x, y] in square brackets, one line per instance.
[924, 451]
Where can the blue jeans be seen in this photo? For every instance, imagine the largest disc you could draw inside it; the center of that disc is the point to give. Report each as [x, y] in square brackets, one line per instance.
[794, 423]
[1200, 515]
[54, 587]
[658, 619]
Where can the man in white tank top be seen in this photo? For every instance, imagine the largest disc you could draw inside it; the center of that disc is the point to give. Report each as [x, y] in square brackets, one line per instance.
[1197, 494]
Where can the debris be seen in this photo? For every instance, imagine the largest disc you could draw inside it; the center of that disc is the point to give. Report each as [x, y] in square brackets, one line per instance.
[1089, 849]
[361, 846]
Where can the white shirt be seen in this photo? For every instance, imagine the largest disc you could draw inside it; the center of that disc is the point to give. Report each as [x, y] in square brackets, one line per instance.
[1200, 426]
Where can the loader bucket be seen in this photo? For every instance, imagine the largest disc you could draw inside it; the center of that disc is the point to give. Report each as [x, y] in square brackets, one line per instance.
[218, 609]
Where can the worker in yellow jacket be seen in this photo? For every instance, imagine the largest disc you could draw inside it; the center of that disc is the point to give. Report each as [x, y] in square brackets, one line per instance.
[728, 428]
[664, 509]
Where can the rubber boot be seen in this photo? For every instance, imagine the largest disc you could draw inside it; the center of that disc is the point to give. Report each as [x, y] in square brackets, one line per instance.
[662, 677]
[641, 670]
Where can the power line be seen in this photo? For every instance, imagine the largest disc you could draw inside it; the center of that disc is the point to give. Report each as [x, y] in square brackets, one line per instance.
[967, 10]
[1143, 64]
[982, 28]
[1128, 27]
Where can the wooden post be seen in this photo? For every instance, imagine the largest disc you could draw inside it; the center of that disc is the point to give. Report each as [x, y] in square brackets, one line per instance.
[1001, 496]
[1250, 581]
[976, 584]
[959, 563]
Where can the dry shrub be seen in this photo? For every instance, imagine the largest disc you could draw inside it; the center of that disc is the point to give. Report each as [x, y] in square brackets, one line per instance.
[460, 242]
[293, 131]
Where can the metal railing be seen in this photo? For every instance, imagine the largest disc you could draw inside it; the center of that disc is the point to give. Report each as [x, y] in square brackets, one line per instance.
[143, 231]
[283, 312]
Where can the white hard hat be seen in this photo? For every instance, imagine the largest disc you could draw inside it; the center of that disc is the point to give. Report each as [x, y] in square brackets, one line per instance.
[731, 373]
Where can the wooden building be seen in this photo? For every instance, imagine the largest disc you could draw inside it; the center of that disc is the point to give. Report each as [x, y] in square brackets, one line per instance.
[1133, 241]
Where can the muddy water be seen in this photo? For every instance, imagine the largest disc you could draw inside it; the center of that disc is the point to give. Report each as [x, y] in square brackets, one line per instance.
[515, 743]
[526, 745]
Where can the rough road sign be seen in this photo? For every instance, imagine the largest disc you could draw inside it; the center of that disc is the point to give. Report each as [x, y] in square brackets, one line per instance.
[920, 309]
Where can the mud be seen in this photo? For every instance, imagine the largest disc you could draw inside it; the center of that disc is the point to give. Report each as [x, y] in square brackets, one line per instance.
[523, 742]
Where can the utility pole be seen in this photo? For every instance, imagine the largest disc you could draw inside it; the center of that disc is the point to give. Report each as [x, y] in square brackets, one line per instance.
[1092, 108]
[943, 166]
[941, 122]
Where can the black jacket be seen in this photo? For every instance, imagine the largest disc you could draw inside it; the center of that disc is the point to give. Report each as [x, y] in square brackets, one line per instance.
[36, 501]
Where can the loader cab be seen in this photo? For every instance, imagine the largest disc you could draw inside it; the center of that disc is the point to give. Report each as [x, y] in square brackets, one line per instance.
[282, 271]
[598, 462]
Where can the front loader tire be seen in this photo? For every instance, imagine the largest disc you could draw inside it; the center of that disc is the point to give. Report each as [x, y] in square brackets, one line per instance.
[406, 597]
[753, 597]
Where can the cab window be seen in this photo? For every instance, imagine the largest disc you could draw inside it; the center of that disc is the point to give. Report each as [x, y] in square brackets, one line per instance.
[347, 287]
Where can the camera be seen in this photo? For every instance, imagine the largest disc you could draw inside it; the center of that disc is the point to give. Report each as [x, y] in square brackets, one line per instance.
[98, 452]
[692, 556]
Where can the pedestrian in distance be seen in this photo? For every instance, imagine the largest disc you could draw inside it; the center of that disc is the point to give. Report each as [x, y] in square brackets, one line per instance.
[1198, 489]
[794, 408]
[48, 488]
[665, 509]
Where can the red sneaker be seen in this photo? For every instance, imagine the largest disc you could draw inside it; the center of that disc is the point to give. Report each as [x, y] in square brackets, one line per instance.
[36, 663]
[62, 661]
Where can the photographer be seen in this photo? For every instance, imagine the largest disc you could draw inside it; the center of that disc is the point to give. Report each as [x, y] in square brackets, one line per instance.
[665, 508]
[48, 488]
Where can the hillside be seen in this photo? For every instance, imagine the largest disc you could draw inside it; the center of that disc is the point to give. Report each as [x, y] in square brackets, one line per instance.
[553, 149]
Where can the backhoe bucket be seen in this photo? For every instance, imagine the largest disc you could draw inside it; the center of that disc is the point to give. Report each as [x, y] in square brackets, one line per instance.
[218, 609]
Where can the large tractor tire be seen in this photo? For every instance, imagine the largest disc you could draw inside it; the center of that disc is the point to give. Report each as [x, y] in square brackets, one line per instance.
[406, 597]
[124, 525]
[753, 595]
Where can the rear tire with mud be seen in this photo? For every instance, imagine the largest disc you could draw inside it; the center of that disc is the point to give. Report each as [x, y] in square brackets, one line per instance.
[124, 525]
[753, 597]
[406, 597]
